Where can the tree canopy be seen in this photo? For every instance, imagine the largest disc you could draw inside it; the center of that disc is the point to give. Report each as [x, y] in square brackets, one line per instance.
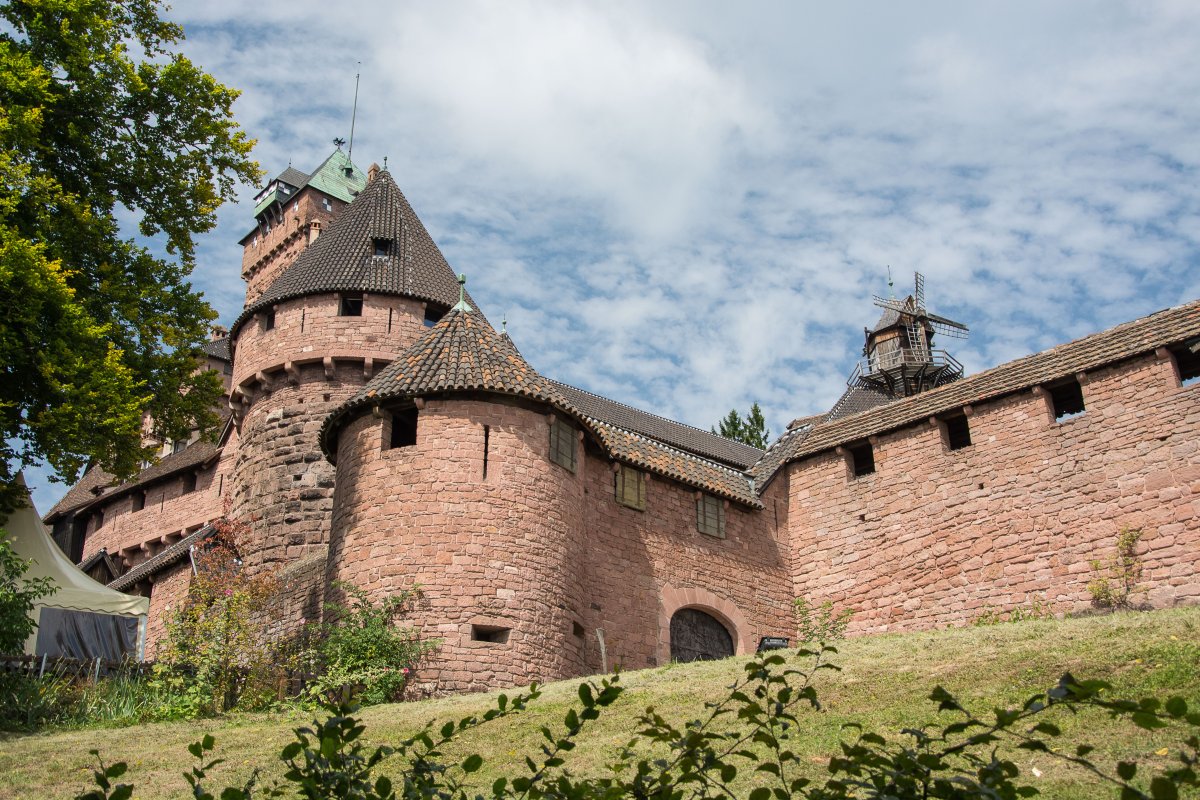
[751, 429]
[102, 124]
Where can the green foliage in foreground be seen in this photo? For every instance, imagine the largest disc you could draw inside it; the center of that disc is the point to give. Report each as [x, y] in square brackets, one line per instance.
[740, 746]
[17, 597]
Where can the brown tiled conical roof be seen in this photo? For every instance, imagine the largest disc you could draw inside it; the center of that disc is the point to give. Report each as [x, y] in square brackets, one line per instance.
[343, 258]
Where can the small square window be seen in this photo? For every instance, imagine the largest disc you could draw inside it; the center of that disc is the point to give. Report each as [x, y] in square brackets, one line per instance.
[325, 204]
[958, 432]
[1187, 362]
[710, 515]
[404, 429]
[139, 500]
[862, 459]
[189, 483]
[629, 485]
[351, 305]
[1066, 399]
[381, 247]
[562, 444]
[490, 633]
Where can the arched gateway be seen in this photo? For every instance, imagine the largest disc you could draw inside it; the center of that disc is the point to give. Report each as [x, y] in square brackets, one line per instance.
[697, 636]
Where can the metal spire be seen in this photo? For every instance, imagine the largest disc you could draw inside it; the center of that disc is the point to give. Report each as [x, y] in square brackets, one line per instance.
[504, 324]
[462, 304]
[354, 113]
[891, 293]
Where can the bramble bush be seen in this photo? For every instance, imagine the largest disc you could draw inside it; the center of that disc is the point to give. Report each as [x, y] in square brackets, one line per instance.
[1117, 578]
[740, 747]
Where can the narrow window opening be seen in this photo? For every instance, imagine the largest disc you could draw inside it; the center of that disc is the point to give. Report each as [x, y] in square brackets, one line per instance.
[487, 432]
[562, 444]
[189, 483]
[351, 305]
[489, 633]
[1067, 400]
[139, 500]
[710, 515]
[303, 314]
[629, 486]
[577, 630]
[958, 432]
[1187, 362]
[404, 429]
[862, 459]
[381, 247]
[389, 320]
[268, 319]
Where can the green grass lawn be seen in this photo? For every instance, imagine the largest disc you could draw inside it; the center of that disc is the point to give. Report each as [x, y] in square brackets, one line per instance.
[883, 685]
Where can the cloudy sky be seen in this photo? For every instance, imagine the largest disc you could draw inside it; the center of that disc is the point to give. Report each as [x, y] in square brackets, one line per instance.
[687, 206]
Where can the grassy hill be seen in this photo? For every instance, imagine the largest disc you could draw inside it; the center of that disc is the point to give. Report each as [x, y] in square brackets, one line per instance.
[884, 683]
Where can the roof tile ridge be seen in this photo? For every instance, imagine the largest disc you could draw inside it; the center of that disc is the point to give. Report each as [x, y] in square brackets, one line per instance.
[659, 443]
[652, 414]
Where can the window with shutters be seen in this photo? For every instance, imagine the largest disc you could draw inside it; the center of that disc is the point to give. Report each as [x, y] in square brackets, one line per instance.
[710, 515]
[562, 444]
[630, 487]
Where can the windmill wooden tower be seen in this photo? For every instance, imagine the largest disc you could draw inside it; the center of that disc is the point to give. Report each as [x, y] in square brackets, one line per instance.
[899, 356]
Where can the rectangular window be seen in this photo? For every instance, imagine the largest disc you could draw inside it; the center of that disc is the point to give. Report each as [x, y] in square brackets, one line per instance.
[958, 432]
[381, 246]
[489, 633]
[1187, 362]
[139, 500]
[710, 515]
[404, 429]
[268, 319]
[189, 483]
[178, 446]
[862, 459]
[432, 316]
[562, 444]
[351, 305]
[630, 487]
[1066, 399]
[328, 206]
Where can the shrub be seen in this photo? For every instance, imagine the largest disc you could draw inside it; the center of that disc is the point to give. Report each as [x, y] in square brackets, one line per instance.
[361, 651]
[1117, 578]
[820, 624]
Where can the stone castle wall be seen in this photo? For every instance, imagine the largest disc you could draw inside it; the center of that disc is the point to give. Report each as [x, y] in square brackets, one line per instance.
[936, 537]
[538, 550]
[267, 254]
[287, 380]
[497, 557]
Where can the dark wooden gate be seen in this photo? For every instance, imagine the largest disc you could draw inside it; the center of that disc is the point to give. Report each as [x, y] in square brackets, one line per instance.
[696, 636]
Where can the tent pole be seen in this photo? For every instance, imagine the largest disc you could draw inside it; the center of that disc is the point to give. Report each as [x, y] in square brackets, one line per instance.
[141, 638]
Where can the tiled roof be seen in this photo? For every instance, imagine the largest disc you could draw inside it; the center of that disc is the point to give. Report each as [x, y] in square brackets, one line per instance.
[1107, 347]
[83, 492]
[171, 555]
[343, 257]
[641, 451]
[293, 177]
[685, 437]
[218, 348]
[856, 400]
[463, 353]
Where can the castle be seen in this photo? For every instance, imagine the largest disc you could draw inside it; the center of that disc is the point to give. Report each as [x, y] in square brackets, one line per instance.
[379, 430]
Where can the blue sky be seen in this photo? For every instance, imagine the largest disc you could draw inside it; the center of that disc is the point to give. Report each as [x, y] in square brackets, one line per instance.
[687, 206]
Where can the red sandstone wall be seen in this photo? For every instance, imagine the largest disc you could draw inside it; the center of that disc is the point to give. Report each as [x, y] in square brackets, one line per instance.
[282, 484]
[503, 551]
[168, 592]
[263, 259]
[642, 566]
[935, 537]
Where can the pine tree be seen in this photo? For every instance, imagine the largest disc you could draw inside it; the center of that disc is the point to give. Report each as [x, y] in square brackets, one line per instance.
[751, 430]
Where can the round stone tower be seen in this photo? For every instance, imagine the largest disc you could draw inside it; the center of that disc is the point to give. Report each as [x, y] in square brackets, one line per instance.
[361, 292]
[459, 468]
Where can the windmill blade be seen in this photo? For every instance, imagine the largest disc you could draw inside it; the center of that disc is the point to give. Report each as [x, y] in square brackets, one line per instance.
[919, 290]
[893, 305]
[938, 320]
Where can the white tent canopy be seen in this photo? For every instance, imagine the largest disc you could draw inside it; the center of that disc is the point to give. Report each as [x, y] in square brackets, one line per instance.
[76, 591]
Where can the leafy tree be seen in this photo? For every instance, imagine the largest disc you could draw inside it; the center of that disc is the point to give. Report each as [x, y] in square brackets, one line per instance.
[100, 122]
[17, 596]
[751, 430]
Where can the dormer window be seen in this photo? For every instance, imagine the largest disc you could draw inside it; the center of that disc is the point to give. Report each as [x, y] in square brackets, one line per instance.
[432, 315]
[351, 305]
[381, 247]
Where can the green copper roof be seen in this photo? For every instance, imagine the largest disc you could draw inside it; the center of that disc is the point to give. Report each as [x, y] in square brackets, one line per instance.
[331, 178]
